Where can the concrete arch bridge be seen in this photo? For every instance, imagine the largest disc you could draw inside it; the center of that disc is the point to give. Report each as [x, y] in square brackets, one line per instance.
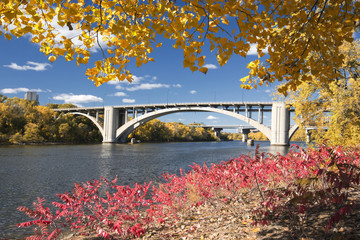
[115, 124]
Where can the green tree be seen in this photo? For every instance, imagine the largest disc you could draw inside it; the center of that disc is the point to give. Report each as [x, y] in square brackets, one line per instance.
[292, 31]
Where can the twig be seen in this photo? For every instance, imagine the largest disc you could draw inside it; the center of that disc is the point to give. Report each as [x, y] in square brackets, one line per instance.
[257, 184]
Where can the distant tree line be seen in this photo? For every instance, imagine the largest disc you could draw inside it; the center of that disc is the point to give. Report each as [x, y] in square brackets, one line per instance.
[299, 136]
[23, 121]
[158, 131]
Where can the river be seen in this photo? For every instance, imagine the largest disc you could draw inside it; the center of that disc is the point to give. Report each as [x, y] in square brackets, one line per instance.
[28, 172]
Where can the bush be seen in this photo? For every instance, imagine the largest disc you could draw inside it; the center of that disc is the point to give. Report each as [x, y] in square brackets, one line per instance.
[295, 183]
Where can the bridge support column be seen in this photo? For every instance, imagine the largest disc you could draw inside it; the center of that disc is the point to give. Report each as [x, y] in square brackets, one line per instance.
[261, 114]
[111, 122]
[245, 137]
[126, 116]
[217, 132]
[308, 136]
[245, 133]
[280, 124]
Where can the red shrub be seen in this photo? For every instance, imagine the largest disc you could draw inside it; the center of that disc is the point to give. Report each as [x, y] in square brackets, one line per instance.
[315, 177]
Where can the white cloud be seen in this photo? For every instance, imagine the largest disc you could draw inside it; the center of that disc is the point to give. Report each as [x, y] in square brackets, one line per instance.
[268, 91]
[210, 66]
[211, 117]
[113, 82]
[18, 90]
[13, 90]
[119, 94]
[35, 66]
[253, 50]
[193, 91]
[147, 86]
[127, 100]
[177, 85]
[74, 35]
[76, 99]
[119, 87]
[135, 80]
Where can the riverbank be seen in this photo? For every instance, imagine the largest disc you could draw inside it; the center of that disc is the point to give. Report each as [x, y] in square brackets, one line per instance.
[129, 142]
[310, 194]
[232, 220]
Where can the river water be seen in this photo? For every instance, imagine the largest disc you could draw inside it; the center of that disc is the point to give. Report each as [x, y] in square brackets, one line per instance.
[28, 172]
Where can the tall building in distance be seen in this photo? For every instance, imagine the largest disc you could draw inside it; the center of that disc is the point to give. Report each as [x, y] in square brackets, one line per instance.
[32, 96]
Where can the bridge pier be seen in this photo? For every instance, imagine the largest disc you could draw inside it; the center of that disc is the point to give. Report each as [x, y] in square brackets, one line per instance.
[245, 133]
[280, 124]
[308, 136]
[261, 114]
[217, 132]
[111, 123]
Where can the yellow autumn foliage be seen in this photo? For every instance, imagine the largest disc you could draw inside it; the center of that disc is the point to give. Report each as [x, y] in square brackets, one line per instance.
[158, 131]
[332, 109]
[290, 31]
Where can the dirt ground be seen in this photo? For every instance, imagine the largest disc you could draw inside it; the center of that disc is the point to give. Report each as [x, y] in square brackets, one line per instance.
[221, 220]
[231, 220]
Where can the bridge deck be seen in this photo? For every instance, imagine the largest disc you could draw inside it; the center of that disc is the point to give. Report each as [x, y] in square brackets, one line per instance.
[168, 105]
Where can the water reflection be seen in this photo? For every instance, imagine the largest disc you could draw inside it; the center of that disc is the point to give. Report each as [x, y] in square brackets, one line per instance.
[105, 157]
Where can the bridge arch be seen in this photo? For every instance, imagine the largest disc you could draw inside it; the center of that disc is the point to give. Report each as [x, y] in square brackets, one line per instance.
[98, 125]
[292, 131]
[123, 131]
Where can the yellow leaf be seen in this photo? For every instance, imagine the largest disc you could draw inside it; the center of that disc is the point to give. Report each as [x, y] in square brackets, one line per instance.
[52, 58]
[253, 64]
[129, 78]
[255, 230]
[8, 36]
[203, 70]
[225, 21]
[193, 68]
[212, 46]
[69, 57]
[201, 60]
[246, 86]
[138, 62]
[59, 51]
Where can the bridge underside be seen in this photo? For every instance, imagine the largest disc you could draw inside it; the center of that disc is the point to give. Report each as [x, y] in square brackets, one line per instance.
[127, 128]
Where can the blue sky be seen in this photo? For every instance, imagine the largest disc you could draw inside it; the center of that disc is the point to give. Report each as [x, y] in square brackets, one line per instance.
[23, 68]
